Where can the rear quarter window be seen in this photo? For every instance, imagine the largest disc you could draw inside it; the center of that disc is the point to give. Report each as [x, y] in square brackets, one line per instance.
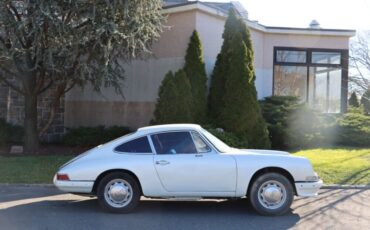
[139, 145]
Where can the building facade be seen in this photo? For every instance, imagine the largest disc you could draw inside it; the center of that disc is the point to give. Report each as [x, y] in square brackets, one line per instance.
[311, 63]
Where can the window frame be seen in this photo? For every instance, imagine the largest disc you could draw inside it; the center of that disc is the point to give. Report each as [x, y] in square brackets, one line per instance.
[132, 139]
[276, 49]
[212, 151]
[192, 137]
[343, 65]
[313, 64]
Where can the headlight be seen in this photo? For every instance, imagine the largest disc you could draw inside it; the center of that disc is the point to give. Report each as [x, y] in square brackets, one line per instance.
[313, 178]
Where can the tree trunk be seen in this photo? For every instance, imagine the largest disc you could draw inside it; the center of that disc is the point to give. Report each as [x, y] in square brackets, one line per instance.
[31, 140]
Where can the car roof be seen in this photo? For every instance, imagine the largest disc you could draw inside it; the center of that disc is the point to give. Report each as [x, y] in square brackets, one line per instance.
[168, 127]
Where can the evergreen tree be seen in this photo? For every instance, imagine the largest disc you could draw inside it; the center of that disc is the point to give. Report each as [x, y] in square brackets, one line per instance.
[184, 102]
[196, 73]
[353, 101]
[164, 110]
[174, 101]
[218, 78]
[233, 97]
[233, 116]
[365, 101]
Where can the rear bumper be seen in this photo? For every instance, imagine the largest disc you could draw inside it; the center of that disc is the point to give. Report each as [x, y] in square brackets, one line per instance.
[308, 188]
[74, 186]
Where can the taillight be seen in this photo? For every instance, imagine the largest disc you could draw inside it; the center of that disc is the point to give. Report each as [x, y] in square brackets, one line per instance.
[62, 177]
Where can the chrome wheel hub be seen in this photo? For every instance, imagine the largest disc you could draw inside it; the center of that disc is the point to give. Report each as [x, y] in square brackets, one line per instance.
[272, 194]
[118, 193]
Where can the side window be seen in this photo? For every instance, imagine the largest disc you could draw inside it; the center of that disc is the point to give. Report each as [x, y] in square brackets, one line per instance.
[139, 145]
[201, 146]
[173, 142]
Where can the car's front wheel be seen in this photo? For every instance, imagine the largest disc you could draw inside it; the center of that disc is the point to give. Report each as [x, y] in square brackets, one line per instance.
[118, 192]
[271, 194]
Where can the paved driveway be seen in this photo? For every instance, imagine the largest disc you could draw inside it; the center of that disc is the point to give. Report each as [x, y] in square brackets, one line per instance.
[47, 208]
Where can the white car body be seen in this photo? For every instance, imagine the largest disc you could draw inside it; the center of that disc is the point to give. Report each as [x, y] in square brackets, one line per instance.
[211, 174]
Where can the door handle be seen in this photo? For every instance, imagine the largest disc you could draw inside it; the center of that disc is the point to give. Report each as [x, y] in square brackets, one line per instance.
[162, 162]
[198, 155]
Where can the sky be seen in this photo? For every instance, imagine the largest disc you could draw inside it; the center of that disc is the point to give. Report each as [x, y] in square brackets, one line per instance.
[331, 14]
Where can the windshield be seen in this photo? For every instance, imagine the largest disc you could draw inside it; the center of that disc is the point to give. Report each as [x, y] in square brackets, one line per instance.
[220, 145]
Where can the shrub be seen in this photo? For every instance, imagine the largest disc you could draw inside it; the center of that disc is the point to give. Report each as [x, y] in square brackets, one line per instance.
[10, 133]
[174, 103]
[276, 110]
[3, 132]
[16, 133]
[292, 124]
[92, 136]
[307, 128]
[365, 101]
[353, 128]
[353, 100]
[229, 138]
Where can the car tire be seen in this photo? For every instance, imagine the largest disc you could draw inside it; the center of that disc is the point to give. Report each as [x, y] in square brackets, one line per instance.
[118, 192]
[271, 194]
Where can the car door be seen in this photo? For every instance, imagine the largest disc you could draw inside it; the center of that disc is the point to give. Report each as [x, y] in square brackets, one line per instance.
[184, 162]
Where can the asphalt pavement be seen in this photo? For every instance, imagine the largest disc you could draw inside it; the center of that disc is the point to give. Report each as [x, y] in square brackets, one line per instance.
[38, 207]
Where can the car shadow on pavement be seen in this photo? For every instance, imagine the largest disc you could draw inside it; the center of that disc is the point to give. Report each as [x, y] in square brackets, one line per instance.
[327, 210]
[166, 214]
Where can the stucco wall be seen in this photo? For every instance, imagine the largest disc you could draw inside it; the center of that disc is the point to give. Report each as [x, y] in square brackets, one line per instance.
[143, 77]
[210, 29]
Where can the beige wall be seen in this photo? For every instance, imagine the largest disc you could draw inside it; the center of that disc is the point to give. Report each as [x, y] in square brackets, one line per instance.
[175, 38]
[210, 29]
[108, 113]
[143, 77]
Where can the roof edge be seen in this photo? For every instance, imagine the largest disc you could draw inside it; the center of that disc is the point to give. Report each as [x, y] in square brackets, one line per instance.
[196, 5]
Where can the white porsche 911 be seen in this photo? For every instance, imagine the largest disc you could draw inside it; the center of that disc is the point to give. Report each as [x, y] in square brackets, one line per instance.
[186, 161]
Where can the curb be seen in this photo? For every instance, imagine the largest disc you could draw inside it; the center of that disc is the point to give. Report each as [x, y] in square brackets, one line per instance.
[330, 186]
[26, 185]
[338, 186]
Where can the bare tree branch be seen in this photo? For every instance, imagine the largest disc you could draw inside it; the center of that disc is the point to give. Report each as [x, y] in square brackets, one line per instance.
[359, 78]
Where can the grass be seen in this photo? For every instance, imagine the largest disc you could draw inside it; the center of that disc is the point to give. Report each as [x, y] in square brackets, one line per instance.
[30, 169]
[334, 165]
[340, 165]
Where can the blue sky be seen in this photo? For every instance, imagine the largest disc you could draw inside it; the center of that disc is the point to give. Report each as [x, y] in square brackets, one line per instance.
[333, 14]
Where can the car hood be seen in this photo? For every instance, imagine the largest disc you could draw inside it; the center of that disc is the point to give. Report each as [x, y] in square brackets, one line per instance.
[259, 151]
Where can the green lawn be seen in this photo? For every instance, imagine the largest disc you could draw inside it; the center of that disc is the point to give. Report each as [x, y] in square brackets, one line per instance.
[30, 169]
[335, 166]
[340, 165]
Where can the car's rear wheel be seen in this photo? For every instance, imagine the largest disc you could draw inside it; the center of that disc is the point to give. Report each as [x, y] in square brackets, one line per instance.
[271, 194]
[118, 192]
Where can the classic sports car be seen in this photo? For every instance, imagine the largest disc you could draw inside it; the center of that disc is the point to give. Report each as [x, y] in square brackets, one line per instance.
[185, 160]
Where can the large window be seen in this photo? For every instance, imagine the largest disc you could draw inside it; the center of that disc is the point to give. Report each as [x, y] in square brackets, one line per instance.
[326, 89]
[291, 81]
[313, 75]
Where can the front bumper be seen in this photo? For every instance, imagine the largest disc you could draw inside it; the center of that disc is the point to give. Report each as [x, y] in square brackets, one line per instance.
[74, 186]
[308, 188]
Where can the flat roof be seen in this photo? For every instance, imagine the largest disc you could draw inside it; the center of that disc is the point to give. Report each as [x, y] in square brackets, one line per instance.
[221, 10]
